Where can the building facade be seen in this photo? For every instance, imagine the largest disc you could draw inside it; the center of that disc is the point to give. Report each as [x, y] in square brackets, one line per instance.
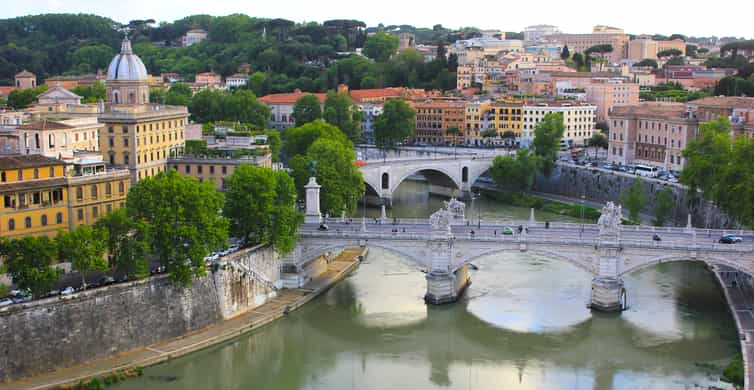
[59, 139]
[193, 36]
[539, 32]
[607, 93]
[435, 117]
[25, 80]
[601, 35]
[578, 120]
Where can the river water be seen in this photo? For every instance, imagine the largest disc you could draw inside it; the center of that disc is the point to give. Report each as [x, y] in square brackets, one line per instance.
[523, 324]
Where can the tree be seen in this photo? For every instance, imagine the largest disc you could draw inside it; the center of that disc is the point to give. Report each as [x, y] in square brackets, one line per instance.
[19, 99]
[29, 261]
[343, 114]
[578, 60]
[565, 53]
[517, 173]
[257, 204]
[381, 46]
[341, 181]
[396, 124]
[127, 243]
[92, 93]
[84, 248]
[157, 95]
[546, 143]
[598, 140]
[634, 199]
[179, 94]
[453, 132]
[489, 133]
[647, 62]
[184, 221]
[669, 53]
[307, 109]
[663, 206]
[299, 139]
[90, 59]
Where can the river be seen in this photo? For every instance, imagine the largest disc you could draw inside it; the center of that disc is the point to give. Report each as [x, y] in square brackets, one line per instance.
[522, 324]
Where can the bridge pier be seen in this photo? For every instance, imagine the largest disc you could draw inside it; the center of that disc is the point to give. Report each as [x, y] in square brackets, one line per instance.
[608, 294]
[446, 287]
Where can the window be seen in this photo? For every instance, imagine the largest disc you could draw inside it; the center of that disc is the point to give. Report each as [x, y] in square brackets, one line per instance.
[188, 169]
[20, 174]
[11, 224]
[211, 170]
[59, 218]
[121, 187]
[79, 193]
[95, 212]
[125, 158]
[199, 169]
[108, 189]
[80, 214]
[109, 209]
[52, 171]
[27, 222]
[225, 170]
[43, 220]
[125, 141]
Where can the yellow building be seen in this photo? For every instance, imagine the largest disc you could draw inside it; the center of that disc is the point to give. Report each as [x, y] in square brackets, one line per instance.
[137, 135]
[507, 115]
[40, 197]
[476, 122]
[34, 196]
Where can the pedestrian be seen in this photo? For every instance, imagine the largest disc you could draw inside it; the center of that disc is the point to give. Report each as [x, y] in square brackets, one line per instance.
[496, 232]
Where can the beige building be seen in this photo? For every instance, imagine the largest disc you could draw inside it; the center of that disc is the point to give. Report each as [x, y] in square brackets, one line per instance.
[641, 48]
[94, 190]
[137, 135]
[578, 120]
[193, 36]
[601, 35]
[607, 93]
[59, 138]
[651, 133]
[215, 169]
[25, 80]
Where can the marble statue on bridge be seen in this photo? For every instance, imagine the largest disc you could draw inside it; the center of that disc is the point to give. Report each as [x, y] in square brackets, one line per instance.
[440, 221]
[457, 211]
[610, 220]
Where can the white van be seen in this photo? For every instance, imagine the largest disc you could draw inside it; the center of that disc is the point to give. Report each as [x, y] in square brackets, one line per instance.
[645, 170]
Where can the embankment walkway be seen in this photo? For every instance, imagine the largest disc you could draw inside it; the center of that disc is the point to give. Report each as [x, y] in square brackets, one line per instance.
[740, 297]
[286, 301]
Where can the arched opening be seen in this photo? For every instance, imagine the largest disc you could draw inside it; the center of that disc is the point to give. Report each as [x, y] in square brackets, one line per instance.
[131, 98]
[420, 193]
[116, 97]
[385, 181]
[465, 175]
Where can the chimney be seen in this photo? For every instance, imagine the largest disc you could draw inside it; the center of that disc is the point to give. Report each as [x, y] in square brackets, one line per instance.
[342, 88]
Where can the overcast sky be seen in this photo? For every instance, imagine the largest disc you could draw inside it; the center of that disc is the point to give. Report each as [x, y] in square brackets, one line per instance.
[689, 17]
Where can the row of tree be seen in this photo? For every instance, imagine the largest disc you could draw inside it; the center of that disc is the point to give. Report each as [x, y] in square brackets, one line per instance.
[171, 219]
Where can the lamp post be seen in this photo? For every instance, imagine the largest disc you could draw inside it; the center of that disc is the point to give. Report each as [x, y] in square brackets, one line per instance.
[581, 231]
[364, 212]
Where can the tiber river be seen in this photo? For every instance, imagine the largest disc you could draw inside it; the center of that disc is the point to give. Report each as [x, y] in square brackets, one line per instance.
[523, 324]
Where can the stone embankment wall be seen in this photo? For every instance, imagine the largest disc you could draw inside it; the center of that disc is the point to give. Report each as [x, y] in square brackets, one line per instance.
[60, 332]
[603, 186]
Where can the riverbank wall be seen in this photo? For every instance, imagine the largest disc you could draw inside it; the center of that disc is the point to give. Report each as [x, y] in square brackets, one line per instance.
[739, 297]
[603, 186]
[60, 332]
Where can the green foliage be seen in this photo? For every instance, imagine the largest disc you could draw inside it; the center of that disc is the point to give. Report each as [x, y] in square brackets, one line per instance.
[4, 290]
[634, 199]
[546, 144]
[396, 124]
[647, 62]
[672, 91]
[299, 139]
[260, 204]
[663, 206]
[157, 95]
[343, 114]
[274, 142]
[90, 59]
[598, 140]
[669, 53]
[706, 157]
[239, 106]
[734, 372]
[734, 86]
[29, 261]
[127, 243]
[91, 93]
[185, 223]
[517, 173]
[84, 248]
[381, 46]
[179, 94]
[307, 109]
[19, 99]
[341, 181]
[565, 53]
[196, 147]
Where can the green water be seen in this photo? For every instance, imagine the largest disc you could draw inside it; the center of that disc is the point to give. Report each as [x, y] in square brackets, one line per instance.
[523, 324]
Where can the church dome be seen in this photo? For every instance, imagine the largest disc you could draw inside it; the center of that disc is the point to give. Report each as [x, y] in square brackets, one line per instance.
[126, 66]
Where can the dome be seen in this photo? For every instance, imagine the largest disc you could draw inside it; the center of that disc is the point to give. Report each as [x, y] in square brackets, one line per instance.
[126, 66]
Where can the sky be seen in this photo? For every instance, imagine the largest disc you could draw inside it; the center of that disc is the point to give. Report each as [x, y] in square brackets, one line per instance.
[688, 17]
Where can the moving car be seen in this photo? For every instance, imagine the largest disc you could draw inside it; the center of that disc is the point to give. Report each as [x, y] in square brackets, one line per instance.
[730, 239]
[656, 237]
[507, 230]
[67, 291]
[323, 227]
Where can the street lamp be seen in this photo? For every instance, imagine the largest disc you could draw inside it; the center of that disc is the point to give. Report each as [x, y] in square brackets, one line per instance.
[581, 231]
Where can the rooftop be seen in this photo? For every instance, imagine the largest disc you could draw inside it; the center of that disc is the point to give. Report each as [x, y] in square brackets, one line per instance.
[25, 74]
[725, 102]
[44, 125]
[27, 161]
[652, 109]
[289, 98]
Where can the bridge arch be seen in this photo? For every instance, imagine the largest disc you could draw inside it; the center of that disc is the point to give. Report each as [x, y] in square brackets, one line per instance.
[738, 265]
[396, 250]
[582, 262]
[440, 176]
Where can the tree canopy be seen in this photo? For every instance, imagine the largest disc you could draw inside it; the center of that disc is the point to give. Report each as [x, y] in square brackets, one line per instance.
[307, 109]
[343, 114]
[396, 124]
[299, 139]
[185, 223]
[634, 199]
[546, 143]
[381, 46]
[515, 173]
[240, 106]
[84, 248]
[29, 261]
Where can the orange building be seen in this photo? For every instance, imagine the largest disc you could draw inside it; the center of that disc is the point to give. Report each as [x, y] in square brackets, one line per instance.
[435, 117]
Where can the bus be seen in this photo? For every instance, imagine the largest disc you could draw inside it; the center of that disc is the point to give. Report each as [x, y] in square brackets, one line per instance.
[646, 170]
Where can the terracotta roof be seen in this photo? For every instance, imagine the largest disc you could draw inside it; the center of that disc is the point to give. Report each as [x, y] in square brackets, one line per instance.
[25, 74]
[27, 161]
[207, 74]
[725, 102]
[6, 90]
[652, 109]
[584, 74]
[44, 125]
[289, 98]
[359, 95]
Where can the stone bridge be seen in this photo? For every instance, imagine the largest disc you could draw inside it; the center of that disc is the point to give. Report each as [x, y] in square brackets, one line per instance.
[447, 175]
[445, 244]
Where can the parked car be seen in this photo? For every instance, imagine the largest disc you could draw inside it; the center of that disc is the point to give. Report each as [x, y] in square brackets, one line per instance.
[507, 231]
[67, 291]
[730, 239]
[6, 302]
[673, 179]
[323, 227]
[656, 237]
[107, 280]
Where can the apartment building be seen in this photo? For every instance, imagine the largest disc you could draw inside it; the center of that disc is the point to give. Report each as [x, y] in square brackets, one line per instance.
[601, 35]
[540, 32]
[435, 117]
[578, 120]
[59, 138]
[193, 37]
[607, 93]
[653, 133]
